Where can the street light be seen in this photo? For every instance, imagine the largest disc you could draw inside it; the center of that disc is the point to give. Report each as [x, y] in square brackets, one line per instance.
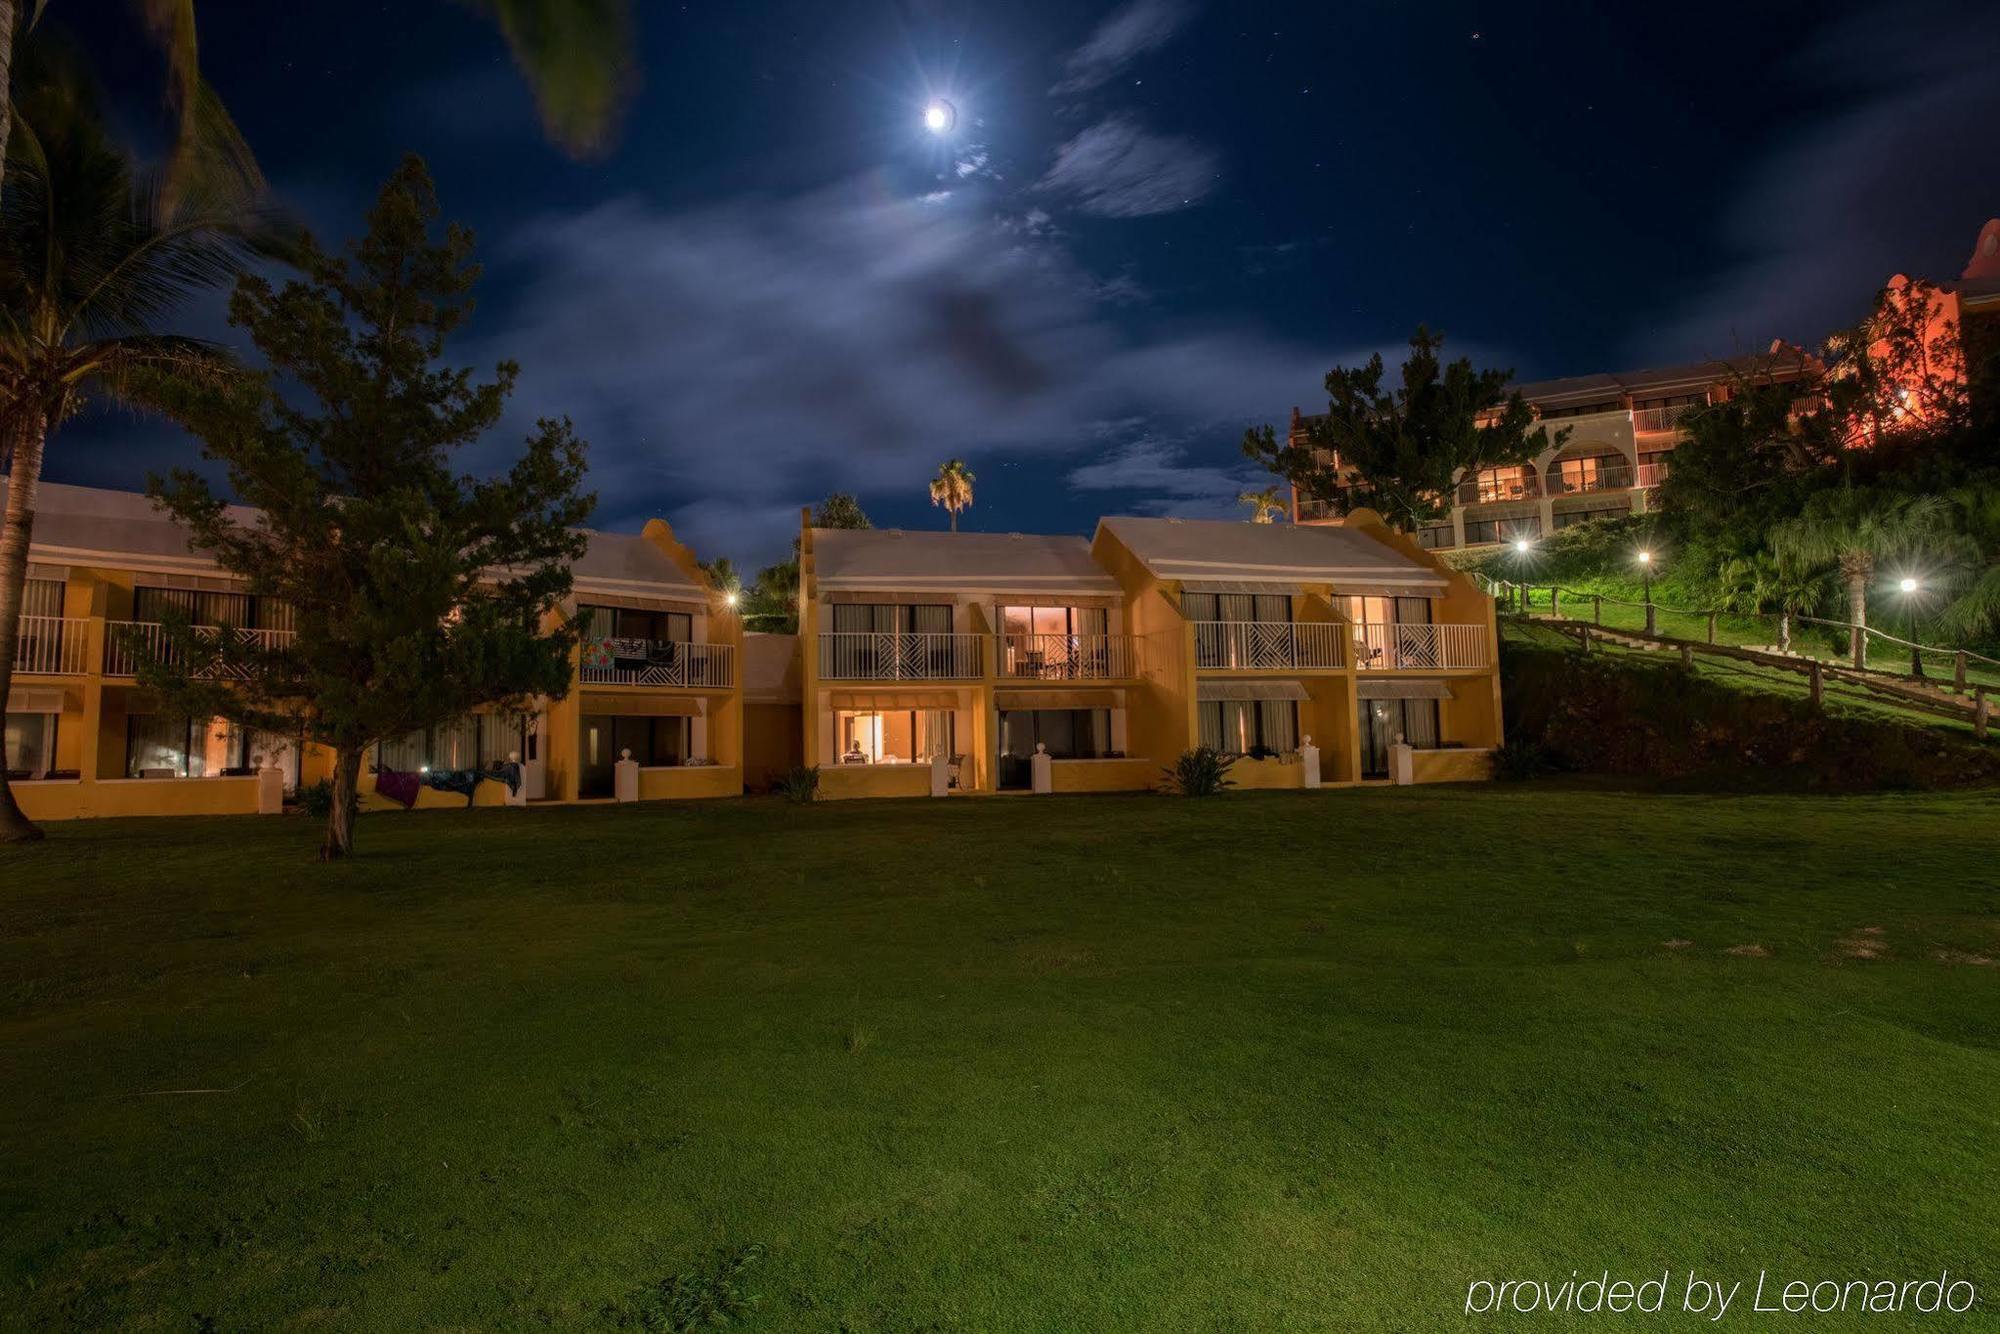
[1909, 588]
[1646, 573]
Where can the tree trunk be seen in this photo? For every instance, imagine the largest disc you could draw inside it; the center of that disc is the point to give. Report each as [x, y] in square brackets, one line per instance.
[19, 526]
[1784, 632]
[340, 820]
[7, 19]
[954, 519]
[1857, 617]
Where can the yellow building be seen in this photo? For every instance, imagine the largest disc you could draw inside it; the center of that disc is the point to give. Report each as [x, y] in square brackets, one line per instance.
[657, 675]
[940, 663]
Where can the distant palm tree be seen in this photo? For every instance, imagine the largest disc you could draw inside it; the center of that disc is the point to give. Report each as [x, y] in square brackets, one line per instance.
[94, 257]
[1856, 529]
[1265, 505]
[722, 573]
[952, 488]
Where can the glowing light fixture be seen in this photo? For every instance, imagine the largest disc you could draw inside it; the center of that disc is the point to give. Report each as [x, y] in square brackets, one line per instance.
[730, 597]
[1521, 544]
[1908, 585]
[940, 116]
[1645, 558]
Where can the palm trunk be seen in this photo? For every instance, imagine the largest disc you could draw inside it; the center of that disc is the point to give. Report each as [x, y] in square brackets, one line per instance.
[339, 842]
[1857, 617]
[954, 519]
[1784, 632]
[6, 77]
[28, 442]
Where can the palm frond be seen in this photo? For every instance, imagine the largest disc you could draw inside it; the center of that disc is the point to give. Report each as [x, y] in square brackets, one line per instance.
[577, 56]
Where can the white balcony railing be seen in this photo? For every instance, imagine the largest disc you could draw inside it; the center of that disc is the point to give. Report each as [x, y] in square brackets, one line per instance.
[127, 643]
[1663, 419]
[1252, 646]
[1652, 474]
[52, 646]
[1067, 657]
[1419, 647]
[657, 662]
[853, 655]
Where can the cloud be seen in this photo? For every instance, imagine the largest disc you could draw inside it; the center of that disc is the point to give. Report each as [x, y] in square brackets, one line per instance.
[1156, 471]
[1826, 216]
[1139, 27]
[731, 362]
[1114, 169]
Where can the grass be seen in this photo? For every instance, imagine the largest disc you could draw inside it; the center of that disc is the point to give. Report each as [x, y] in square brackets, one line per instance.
[1270, 1061]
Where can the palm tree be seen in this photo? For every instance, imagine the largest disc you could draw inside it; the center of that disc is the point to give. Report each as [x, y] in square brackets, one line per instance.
[1265, 506]
[952, 488]
[94, 256]
[1855, 529]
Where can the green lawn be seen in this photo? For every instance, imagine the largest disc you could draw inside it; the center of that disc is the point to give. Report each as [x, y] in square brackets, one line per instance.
[1282, 1061]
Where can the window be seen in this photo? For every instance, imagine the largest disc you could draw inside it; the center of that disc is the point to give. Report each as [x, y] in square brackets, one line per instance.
[1512, 482]
[1434, 537]
[631, 623]
[1582, 410]
[1069, 734]
[1250, 726]
[1384, 720]
[477, 741]
[1596, 472]
[42, 597]
[31, 744]
[1387, 611]
[1478, 531]
[889, 618]
[898, 736]
[1053, 642]
[1274, 607]
[161, 745]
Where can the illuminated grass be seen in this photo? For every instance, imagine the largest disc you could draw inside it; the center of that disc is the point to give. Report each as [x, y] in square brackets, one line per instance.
[1267, 1061]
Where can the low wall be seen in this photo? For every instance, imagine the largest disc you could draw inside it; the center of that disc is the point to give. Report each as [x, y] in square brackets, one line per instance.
[686, 782]
[1248, 775]
[1103, 775]
[73, 799]
[840, 782]
[489, 792]
[1451, 766]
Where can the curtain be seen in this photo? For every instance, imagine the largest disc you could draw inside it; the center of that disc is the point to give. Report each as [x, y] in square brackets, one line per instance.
[1273, 607]
[43, 597]
[1278, 724]
[1420, 723]
[203, 606]
[929, 619]
[404, 754]
[1092, 620]
[1211, 724]
[1199, 607]
[1235, 606]
[31, 743]
[933, 734]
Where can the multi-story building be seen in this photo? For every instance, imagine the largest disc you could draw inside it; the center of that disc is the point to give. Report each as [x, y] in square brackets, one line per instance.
[948, 661]
[656, 675]
[1622, 429]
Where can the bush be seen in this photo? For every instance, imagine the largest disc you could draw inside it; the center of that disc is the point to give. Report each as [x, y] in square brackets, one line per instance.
[800, 784]
[1201, 772]
[1520, 759]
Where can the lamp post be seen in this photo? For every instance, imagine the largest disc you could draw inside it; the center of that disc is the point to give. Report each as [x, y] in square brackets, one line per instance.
[1646, 573]
[1909, 589]
[1522, 546]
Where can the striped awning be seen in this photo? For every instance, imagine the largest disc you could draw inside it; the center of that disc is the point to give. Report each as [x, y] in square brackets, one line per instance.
[1006, 700]
[35, 699]
[641, 706]
[1211, 690]
[1372, 689]
[892, 699]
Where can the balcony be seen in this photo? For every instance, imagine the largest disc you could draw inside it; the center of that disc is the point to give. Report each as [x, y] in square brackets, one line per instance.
[1487, 490]
[1652, 474]
[657, 662]
[1418, 648]
[855, 655]
[1261, 646]
[1604, 477]
[52, 646]
[1648, 421]
[1067, 657]
[128, 643]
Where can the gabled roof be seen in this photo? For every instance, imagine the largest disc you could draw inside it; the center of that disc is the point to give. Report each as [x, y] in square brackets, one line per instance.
[1660, 380]
[1212, 550]
[80, 525]
[978, 563]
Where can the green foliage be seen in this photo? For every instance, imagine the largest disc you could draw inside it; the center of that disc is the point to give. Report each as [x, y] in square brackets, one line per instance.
[419, 594]
[712, 1295]
[771, 604]
[1401, 451]
[842, 510]
[1518, 760]
[800, 784]
[1605, 715]
[1201, 772]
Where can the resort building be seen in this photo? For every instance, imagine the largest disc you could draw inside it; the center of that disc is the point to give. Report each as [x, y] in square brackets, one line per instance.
[658, 675]
[1622, 431]
[947, 662]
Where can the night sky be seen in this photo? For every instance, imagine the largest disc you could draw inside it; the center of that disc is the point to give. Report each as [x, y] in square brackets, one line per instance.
[1153, 224]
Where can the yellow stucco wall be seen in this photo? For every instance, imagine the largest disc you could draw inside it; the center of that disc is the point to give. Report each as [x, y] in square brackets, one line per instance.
[1103, 775]
[1262, 775]
[844, 781]
[690, 782]
[1450, 766]
[76, 800]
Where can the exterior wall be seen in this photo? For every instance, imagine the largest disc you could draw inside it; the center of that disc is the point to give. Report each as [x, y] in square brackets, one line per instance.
[773, 742]
[1451, 766]
[74, 799]
[689, 782]
[1103, 775]
[842, 782]
[1249, 775]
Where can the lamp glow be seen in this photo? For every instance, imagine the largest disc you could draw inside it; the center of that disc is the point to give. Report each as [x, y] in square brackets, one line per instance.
[1645, 558]
[940, 116]
[730, 597]
[1908, 585]
[1521, 544]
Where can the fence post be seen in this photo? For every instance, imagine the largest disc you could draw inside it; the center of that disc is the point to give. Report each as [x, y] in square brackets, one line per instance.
[1687, 656]
[1979, 713]
[1583, 637]
[1597, 607]
[1711, 627]
[1652, 619]
[1958, 672]
[1818, 685]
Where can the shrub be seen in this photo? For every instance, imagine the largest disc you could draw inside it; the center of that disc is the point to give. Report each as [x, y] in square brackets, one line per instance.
[1521, 759]
[800, 784]
[1201, 772]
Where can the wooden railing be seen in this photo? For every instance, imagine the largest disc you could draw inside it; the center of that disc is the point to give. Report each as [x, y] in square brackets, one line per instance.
[855, 655]
[1419, 647]
[1067, 657]
[657, 662]
[1252, 646]
[52, 646]
[128, 643]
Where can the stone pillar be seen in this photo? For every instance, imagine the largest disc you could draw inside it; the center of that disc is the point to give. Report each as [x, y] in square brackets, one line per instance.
[1818, 685]
[517, 796]
[1979, 707]
[1041, 769]
[1402, 763]
[270, 790]
[625, 777]
[1309, 763]
[940, 774]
